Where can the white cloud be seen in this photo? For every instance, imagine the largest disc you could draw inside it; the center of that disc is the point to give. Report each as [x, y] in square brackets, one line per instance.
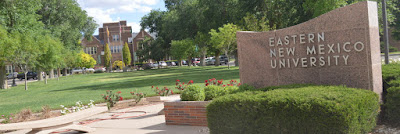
[101, 10]
[135, 26]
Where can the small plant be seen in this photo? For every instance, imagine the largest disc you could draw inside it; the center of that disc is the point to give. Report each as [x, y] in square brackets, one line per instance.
[112, 98]
[162, 92]
[138, 96]
[78, 107]
[181, 85]
[46, 112]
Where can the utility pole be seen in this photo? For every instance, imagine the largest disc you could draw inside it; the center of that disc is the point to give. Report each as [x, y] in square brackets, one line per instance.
[385, 31]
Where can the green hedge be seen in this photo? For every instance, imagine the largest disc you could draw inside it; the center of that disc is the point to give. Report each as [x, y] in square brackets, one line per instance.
[213, 91]
[392, 106]
[193, 93]
[391, 84]
[314, 109]
[390, 72]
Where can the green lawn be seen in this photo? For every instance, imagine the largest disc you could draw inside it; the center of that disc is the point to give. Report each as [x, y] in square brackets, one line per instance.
[83, 88]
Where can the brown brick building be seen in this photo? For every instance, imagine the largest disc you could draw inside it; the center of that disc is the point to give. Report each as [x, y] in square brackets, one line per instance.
[119, 34]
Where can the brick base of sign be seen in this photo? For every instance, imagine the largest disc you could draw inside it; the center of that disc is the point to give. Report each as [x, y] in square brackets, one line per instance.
[191, 113]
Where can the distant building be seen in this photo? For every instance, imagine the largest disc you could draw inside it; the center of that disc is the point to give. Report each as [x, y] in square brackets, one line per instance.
[118, 34]
[136, 38]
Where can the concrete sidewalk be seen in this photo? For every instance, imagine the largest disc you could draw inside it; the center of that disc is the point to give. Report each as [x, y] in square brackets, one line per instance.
[142, 120]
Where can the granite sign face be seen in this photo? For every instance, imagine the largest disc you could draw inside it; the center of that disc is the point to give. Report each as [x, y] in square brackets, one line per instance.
[340, 47]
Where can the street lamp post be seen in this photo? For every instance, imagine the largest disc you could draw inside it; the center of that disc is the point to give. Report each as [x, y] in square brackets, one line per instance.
[385, 31]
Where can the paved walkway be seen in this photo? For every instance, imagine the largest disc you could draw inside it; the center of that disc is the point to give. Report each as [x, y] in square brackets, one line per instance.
[142, 120]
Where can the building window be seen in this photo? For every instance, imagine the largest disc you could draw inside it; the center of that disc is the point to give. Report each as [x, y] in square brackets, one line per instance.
[91, 50]
[9, 69]
[115, 37]
[116, 49]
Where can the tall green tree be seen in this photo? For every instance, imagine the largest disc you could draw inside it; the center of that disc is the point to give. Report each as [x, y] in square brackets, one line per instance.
[181, 49]
[225, 39]
[67, 21]
[107, 58]
[6, 50]
[202, 40]
[126, 54]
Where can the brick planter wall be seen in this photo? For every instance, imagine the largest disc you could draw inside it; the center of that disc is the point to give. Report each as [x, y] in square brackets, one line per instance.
[192, 113]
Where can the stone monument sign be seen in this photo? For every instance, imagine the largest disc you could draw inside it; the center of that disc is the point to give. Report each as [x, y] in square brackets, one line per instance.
[340, 47]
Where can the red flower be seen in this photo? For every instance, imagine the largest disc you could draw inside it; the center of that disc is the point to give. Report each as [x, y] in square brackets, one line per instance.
[166, 88]
[176, 83]
[191, 81]
[152, 86]
[106, 98]
[119, 92]
[206, 84]
[120, 98]
[172, 92]
[157, 88]
[239, 84]
[183, 83]
[177, 80]
[180, 85]
[223, 86]
[206, 81]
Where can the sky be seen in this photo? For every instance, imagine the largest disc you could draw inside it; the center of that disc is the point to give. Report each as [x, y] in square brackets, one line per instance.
[132, 11]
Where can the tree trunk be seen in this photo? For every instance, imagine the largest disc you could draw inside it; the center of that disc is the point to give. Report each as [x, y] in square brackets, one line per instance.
[45, 77]
[58, 73]
[202, 59]
[217, 60]
[40, 76]
[65, 72]
[189, 62]
[226, 54]
[26, 80]
[180, 62]
[3, 79]
[51, 73]
[236, 59]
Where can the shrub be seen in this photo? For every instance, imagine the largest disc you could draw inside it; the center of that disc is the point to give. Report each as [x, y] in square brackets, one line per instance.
[246, 87]
[390, 72]
[193, 93]
[392, 106]
[213, 91]
[231, 89]
[314, 109]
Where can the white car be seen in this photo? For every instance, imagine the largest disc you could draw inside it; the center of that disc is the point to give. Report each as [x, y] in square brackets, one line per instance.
[76, 70]
[89, 70]
[11, 76]
[162, 63]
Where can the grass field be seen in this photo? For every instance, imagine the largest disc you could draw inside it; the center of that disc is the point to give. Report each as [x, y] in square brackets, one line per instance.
[83, 88]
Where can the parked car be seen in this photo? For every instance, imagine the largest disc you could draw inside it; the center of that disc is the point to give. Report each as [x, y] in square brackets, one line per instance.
[196, 61]
[210, 61]
[89, 70]
[184, 62]
[223, 60]
[162, 63]
[155, 65]
[12, 75]
[100, 69]
[76, 71]
[30, 75]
